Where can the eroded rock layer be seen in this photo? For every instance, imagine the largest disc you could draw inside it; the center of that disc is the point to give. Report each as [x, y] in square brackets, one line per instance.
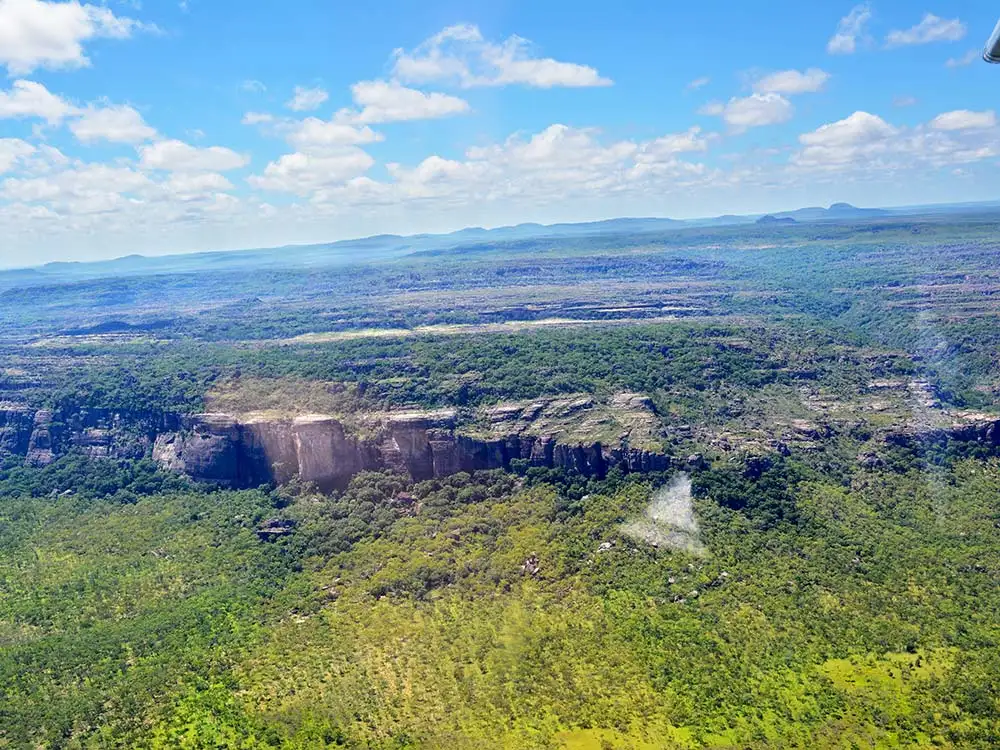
[576, 433]
[221, 449]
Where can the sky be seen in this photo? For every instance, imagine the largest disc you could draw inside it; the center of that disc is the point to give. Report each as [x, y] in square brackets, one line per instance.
[166, 126]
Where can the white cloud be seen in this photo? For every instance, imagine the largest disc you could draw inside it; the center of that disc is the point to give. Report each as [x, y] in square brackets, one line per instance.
[548, 166]
[904, 101]
[115, 123]
[689, 141]
[460, 54]
[177, 156]
[964, 119]
[861, 127]
[752, 111]
[303, 173]
[12, 151]
[558, 146]
[196, 184]
[849, 30]
[551, 166]
[40, 34]
[257, 118]
[847, 141]
[306, 99]
[712, 109]
[865, 143]
[314, 134]
[697, 83]
[253, 86]
[930, 29]
[383, 101]
[31, 99]
[790, 82]
[960, 62]
[50, 198]
[84, 188]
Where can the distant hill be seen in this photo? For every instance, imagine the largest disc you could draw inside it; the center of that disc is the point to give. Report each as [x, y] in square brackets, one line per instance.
[838, 211]
[384, 247]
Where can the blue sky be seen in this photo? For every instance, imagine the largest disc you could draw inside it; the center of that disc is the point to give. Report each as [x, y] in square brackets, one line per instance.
[165, 126]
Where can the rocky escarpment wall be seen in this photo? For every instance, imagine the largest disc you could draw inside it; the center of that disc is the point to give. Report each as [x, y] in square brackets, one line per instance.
[218, 448]
[42, 434]
[224, 450]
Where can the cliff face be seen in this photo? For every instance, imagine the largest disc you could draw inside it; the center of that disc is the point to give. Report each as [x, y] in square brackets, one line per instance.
[572, 433]
[16, 425]
[217, 448]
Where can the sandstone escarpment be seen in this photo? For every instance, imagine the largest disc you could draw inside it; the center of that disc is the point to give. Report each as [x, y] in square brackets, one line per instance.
[220, 449]
[577, 433]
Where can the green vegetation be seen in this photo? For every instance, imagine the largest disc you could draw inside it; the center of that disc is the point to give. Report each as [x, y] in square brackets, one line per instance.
[74, 474]
[108, 608]
[848, 592]
[484, 609]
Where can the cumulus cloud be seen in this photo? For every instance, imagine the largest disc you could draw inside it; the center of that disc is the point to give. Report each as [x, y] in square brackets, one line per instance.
[306, 99]
[930, 29]
[769, 103]
[326, 152]
[865, 142]
[964, 119]
[32, 99]
[790, 82]
[861, 127]
[548, 166]
[83, 188]
[849, 31]
[46, 195]
[552, 165]
[178, 156]
[40, 34]
[461, 55]
[12, 151]
[388, 101]
[314, 134]
[302, 173]
[692, 140]
[115, 123]
[754, 111]
[845, 142]
[196, 184]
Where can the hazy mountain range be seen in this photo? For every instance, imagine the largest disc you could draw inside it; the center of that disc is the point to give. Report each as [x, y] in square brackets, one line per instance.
[387, 246]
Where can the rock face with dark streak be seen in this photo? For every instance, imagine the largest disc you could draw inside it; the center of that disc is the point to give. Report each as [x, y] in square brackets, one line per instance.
[572, 433]
[17, 422]
[216, 448]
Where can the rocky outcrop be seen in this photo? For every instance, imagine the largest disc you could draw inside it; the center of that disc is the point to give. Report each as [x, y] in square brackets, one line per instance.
[217, 448]
[17, 422]
[976, 437]
[40, 443]
[984, 433]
